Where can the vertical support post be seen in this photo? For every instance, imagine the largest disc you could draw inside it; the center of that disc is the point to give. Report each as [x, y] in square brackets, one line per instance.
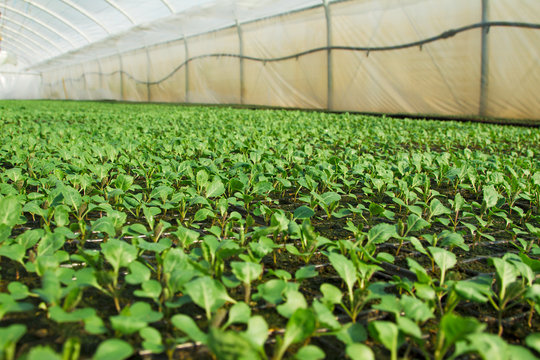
[241, 49]
[484, 70]
[65, 88]
[186, 50]
[329, 72]
[121, 77]
[148, 68]
[100, 74]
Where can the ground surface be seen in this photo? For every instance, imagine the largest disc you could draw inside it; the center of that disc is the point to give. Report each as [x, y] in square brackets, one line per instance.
[163, 231]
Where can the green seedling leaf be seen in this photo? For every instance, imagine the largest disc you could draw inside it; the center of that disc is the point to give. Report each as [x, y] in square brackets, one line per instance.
[8, 339]
[506, 273]
[310, 352]
[150, 289]
[416, 309]
[351, 333]
[239, 313]
[113, 349]
[444, 259]
[381, 233]
[345, 269]
[533, 341]
[489, 346]
[516, 352]
[306, 272]
[416, 223]
[49, 244]
[272, 290]
[436, 208]
[359, 352]
[451, 239]
[135, 317]
[138, 273]
[386, 333]
[207, 293]
[295, 300]
[325, 317]
[118, 253]
[331, 294]
[303, 212]
[42, 353]
[152, 340]
[186, 237]
[186, 324]
[203, 214]
[229, 345]
[454, 328]
[257, 331]
[123, 182]
[104, 225]
[18, 290]
[61, 215]
[408, 327]
[10, 211]
[389, 303]
[299, 327]
[477, 290]
[215, 188]
[491, 196]
[246, 271]
[15, 252]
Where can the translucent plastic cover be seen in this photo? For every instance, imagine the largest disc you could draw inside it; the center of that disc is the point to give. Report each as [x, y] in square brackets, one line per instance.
[432, 57]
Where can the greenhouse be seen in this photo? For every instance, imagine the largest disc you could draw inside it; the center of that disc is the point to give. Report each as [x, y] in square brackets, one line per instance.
[271, 179]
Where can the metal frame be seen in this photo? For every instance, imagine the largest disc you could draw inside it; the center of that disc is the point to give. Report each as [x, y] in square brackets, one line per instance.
[169, 6]
[17, 33]
[121, 10]
[50, 41]
[241, 51]
[59, 17]
[186, 54]
[329, 63]
[87, 14]
[15, 50]
[37, 21]
[484, 69]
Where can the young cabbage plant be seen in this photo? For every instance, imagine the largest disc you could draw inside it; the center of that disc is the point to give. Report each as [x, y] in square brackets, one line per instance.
[453, 329]
[353, 273]
[246, 272]
[509, 288]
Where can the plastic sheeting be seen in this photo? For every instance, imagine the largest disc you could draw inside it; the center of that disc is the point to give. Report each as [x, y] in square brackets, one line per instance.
[313, 55]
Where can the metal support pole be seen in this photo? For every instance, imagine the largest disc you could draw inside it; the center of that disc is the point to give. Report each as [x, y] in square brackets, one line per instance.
[186, 50]
[148, 68]
[241, 49]
[121, 77]
[484, 71]
[100, 74]
[329, 72]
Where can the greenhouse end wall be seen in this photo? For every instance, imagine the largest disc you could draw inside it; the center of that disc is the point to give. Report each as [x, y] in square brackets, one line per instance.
[342, 56]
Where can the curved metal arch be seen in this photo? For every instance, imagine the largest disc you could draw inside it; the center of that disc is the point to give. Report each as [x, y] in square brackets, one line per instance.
[168, 5]
[29, 39]
[18, 50]
[121, 10]
[87, 14]
[33, 32]
[37, 21]
[59, 17]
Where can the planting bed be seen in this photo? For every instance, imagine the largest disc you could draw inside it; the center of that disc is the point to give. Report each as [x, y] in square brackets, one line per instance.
[157, 231]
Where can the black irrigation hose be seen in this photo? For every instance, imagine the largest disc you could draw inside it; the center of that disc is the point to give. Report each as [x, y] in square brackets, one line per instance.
[445, 35]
